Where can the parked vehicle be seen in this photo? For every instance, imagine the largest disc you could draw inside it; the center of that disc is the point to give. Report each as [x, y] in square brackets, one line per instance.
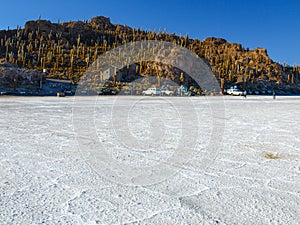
[167, 92]
[107, 91]
[152, 91]
[234, 91]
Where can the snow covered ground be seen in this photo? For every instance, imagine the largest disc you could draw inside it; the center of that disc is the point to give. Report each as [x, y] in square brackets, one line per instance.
[149, 160]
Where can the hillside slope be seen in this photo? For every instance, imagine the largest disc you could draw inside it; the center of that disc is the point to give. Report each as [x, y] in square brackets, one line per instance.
[67, 49]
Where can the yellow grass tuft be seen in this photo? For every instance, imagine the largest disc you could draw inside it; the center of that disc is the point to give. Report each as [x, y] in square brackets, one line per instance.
[270, 155]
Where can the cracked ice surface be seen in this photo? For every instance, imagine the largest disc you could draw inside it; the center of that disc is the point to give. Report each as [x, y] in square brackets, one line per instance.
[45, 177]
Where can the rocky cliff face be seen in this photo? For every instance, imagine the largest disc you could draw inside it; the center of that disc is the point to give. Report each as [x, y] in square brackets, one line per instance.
[12, 77]
[67, 49]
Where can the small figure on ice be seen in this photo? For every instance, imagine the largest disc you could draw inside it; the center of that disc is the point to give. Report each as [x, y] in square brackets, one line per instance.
[274, 94]
[245, 94]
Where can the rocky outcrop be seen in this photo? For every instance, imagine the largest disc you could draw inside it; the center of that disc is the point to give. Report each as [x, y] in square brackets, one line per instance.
[67, 49]
[42, 25]
[102, 23]
[13, 77]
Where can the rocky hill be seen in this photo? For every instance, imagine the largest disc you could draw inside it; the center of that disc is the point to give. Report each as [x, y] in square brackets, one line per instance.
[67, 49]
[13, 77]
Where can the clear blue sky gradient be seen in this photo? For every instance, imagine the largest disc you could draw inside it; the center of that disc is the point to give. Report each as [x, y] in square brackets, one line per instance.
[271, 24]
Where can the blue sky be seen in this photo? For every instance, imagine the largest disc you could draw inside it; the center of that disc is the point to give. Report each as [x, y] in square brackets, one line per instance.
[274, 25]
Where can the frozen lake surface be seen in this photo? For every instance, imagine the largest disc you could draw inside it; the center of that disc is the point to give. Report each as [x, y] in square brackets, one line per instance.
[150, 160]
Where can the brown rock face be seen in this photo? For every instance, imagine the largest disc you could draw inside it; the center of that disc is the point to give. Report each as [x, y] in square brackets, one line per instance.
[67, 49]
[12, 77]
[42, 25]
[103, 23]
[262, 51]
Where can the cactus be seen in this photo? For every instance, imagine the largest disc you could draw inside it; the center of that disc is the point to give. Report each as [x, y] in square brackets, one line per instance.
[54, 50]
[181, 78]
[289, 79]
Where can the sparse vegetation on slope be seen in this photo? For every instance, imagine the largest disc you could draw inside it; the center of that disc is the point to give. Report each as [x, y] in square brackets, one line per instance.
[67, 49]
